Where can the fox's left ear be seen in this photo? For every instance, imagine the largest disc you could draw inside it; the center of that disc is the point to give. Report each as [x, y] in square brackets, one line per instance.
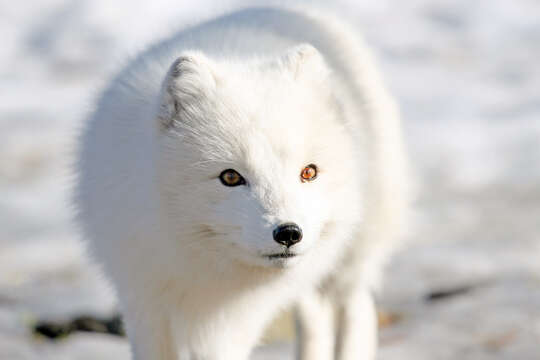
[304, 61]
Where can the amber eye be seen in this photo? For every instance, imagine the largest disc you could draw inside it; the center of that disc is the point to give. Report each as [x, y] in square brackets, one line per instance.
[231, 177]
[309, 173]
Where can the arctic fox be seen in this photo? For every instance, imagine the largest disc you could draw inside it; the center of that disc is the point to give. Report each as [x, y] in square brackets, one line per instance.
[242, 166]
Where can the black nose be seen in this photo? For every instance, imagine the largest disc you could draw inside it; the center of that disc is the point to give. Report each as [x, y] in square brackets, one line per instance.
[288, 234]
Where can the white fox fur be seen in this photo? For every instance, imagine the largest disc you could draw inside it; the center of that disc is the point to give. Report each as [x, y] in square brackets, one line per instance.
[265, 92]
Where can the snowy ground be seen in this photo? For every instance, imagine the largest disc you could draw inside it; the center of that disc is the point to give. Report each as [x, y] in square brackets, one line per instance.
[467, 76]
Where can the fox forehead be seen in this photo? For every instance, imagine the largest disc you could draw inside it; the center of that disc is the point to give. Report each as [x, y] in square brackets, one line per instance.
[277, 120]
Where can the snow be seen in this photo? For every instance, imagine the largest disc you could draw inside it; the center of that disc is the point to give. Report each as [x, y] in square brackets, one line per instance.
[467, 77]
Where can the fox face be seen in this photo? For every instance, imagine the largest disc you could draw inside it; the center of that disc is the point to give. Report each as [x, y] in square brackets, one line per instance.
[258, 165]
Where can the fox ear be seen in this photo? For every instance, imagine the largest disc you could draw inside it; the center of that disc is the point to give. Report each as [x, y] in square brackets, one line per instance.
[304, 60]
[190, 78]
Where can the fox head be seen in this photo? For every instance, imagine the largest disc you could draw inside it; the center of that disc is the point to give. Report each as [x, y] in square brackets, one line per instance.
[257, 162]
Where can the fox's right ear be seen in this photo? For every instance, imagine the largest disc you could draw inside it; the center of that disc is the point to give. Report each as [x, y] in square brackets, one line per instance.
[190, 78]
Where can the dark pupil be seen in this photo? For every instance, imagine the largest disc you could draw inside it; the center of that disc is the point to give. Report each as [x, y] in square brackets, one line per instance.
[231, 177]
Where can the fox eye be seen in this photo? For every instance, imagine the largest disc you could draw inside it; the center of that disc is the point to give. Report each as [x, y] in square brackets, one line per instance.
[308, 173]
[231, 177]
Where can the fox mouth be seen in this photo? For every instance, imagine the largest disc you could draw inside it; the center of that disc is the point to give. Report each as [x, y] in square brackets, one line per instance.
[284, 255]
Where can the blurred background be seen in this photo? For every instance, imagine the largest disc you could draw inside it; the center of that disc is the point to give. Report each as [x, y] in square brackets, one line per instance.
[467, 77]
